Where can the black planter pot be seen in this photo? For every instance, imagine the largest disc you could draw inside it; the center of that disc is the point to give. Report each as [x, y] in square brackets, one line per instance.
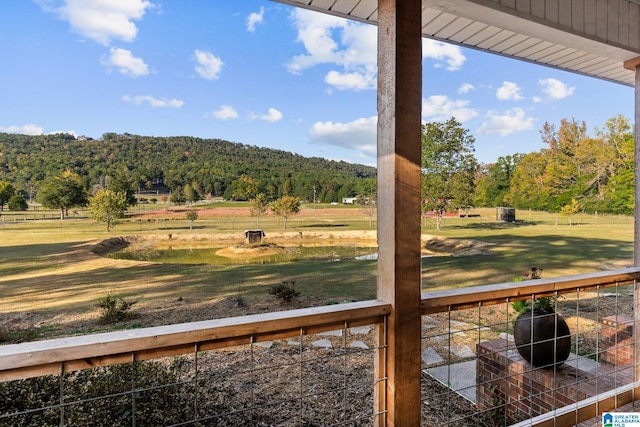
[542, 337]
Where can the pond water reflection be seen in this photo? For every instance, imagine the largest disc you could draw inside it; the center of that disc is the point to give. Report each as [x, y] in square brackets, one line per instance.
[210, 256]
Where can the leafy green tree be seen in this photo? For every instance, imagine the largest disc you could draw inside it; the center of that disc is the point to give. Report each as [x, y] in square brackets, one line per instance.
[563, 173]
[6, 192]
[448, 167]
[527, 186]
[190, 195]
[570, 209]
[108, 207]
[191, 215]
[286, 206]
[259, 206]
[122, 182]
[244, 188]
[177, 197]
[494, 182]
[62, 192]
[17, 203]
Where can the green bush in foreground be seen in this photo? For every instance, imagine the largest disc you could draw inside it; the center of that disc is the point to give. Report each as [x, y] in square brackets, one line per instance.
[113, 309]
[285, 291]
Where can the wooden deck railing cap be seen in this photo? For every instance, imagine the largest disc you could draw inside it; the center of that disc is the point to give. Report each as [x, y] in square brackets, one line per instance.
[14, 356]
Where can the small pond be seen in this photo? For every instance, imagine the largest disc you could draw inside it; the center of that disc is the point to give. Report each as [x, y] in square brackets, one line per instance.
[209, 255]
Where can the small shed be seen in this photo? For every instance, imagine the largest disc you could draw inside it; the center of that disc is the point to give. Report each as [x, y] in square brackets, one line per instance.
[253, 236]
[505, 214]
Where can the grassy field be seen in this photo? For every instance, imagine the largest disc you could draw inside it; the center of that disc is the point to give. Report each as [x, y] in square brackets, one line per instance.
[48, 275]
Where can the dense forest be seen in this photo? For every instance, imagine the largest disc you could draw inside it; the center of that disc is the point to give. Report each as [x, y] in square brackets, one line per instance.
[592, 173]
[208, 166]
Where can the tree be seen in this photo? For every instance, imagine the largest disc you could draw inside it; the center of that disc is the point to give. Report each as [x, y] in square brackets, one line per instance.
[494, 181]
[17, 203]
[244, 188]
[563, 173]
[122, 182]
[6, 192]
[570, 209]
[108, 206]
[62, 192]
[259, 206]
[368, 206]
[189, 193]
[448, 168]
[191, 216]
[286, 206]
[527, 187]
[177, 196]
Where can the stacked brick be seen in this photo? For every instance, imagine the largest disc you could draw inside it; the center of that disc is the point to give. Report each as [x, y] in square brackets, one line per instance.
[616, 339]
[508, 385]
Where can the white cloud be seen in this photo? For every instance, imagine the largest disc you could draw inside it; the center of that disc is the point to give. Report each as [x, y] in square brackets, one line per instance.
[348, 45]
[154, 102]
[209, 66]
[508, 91]
[125, 62]
[30, 129]
[272, 116]
[254, 19]
[225, 112]
[358, 135]
[440, 51]
[465, 88]
[511, 121]
[441, 107]
[100, 20]
[555, 89]
[356, 81]
[352, 47]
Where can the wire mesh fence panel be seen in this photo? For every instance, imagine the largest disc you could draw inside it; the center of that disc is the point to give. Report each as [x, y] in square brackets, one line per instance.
[481, 369]
[30, 402]
[322, 379]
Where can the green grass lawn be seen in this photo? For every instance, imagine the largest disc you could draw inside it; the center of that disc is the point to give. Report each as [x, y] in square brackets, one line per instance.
[45, 268]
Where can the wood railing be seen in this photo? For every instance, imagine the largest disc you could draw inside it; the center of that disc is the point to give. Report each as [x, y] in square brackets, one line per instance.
[458, 299]
[19, 361]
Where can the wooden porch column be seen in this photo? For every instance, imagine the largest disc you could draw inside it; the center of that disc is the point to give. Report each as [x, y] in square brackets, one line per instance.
[399, 140]
[634, 65]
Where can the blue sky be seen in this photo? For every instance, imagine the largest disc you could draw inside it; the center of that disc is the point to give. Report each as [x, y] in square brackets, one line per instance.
[261, 73]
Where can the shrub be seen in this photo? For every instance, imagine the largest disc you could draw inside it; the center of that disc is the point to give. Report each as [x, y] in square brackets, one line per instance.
[285, 291]
[113, 309]
[17, 203]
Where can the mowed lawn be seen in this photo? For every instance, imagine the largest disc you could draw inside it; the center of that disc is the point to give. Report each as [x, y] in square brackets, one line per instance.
[46, 267]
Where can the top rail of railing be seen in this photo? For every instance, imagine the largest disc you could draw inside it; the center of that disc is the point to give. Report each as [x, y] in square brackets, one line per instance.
[80, 352]
[18, 361]
[458, 299]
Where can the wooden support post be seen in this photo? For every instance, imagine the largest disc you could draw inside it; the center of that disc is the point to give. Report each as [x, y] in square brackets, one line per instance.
[399, 151]
[634, 65]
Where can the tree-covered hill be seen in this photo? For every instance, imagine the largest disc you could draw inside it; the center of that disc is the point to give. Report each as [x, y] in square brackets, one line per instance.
[210, 166]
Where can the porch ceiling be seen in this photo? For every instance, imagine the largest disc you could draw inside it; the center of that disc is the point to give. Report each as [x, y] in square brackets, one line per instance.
[585, 41]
